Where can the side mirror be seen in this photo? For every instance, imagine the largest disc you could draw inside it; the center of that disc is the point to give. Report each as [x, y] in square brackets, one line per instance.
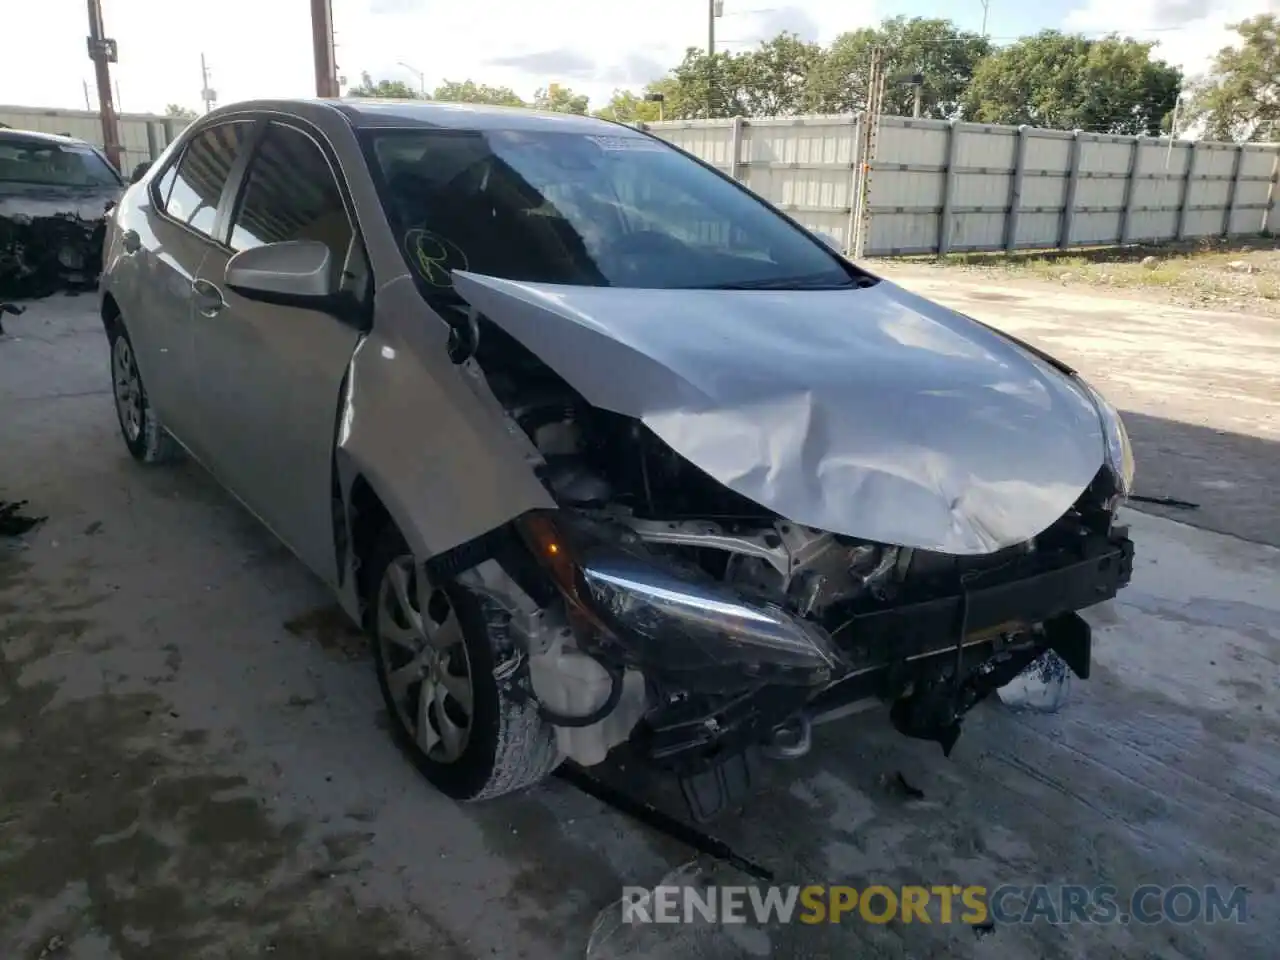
[293, 273]
[139, 171]
[831, 242]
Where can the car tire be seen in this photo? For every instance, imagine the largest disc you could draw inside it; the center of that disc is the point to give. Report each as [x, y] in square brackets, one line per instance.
[507, 745]
[143, 434]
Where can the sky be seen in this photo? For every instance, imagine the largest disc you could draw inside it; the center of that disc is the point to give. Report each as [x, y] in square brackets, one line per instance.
[262, 48]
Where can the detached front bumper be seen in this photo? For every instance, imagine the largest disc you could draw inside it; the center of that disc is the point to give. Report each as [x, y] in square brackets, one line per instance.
[40, 256]
[934, 658]
[1033, 591]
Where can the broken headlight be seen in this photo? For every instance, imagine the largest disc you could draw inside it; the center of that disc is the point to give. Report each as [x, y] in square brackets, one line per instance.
[673, 621]
[1118, 449]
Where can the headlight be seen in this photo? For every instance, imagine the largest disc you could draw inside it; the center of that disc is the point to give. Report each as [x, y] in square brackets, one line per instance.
[671, 624]
[1119, 450]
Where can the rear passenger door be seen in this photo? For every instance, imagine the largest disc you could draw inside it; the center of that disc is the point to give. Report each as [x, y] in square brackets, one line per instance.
[177, 232]
[270, 376]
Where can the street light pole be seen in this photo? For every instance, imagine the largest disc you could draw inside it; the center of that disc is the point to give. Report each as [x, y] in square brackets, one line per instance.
[422, 77]
[986, 8]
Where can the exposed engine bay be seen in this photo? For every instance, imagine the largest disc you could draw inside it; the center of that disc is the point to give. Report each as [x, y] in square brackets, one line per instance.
[705, 629]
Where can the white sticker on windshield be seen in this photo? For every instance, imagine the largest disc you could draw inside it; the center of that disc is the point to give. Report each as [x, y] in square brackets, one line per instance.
[628, 143]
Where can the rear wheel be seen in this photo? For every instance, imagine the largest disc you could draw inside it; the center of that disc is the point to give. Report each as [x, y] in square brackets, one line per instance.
[472, 736]
[143, 434]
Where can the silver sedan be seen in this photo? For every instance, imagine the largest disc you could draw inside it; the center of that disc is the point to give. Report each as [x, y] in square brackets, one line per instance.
[602, 450]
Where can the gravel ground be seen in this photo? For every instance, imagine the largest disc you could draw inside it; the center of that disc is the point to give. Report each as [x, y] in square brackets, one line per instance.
[1242, 275]
[193, 762]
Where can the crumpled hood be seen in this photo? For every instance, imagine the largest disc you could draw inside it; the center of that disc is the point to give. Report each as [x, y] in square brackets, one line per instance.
[26, 202]
[868, 412]
[39, 223]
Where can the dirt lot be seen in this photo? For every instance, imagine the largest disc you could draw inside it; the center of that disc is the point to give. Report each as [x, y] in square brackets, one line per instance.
[192, 759]
[1199, 389]
[1240, 275]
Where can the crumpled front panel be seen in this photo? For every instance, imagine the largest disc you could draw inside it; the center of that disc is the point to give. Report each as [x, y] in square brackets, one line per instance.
[867, 412]
[51, 240]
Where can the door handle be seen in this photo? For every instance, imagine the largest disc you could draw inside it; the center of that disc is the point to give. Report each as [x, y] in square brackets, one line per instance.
[131, 242]
[209, 299]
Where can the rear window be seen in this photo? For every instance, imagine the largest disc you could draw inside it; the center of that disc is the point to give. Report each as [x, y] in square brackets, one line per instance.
[594, 210]
[54, 164]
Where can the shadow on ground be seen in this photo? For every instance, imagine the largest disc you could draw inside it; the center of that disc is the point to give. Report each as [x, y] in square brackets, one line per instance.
[1232, 477]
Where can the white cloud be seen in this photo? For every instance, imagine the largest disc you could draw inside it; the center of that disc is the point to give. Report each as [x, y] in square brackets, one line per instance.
[262, 48]
[1189, 32]
[591, 45]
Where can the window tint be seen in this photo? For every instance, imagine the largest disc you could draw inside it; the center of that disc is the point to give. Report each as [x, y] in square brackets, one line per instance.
[202, 173]
[291, 194]
[596, 210]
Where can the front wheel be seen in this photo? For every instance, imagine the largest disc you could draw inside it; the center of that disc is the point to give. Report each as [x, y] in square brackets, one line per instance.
[468, 732]
[147, 440]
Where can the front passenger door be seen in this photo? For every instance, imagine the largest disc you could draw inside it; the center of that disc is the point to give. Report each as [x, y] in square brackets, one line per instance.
[270, 376]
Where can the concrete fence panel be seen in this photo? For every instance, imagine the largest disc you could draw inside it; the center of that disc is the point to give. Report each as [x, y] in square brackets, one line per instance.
[935, 186]
[142, 135]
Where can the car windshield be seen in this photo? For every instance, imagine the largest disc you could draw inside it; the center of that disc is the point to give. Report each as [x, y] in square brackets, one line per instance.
[53, 164]
[617, 210]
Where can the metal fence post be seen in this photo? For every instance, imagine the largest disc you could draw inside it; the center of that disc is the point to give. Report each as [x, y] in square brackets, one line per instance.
[1131, 189]
[1069, 202]
[1234, 190]
[1273, 193]
[1184, 208]
[735, 148]
[851, 244]
[950, 178]
[1015, 188]
[153, 141]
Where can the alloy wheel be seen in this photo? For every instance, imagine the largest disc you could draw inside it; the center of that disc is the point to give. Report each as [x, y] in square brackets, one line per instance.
[127, 387]
[428, 672]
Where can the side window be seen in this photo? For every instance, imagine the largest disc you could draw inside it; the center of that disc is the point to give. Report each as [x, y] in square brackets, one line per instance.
[164, 185]
[201, 174]
[291, 194]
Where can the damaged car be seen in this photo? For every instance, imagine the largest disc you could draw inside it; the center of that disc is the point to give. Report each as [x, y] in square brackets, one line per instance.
[603, 451]
[54, 194]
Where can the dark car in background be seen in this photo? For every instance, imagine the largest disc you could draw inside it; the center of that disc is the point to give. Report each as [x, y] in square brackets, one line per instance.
[54, 194]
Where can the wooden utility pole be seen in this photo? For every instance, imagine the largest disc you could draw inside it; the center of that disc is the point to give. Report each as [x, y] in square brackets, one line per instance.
[860, 210]
[102, 51]
[322, 41]
[207, 93]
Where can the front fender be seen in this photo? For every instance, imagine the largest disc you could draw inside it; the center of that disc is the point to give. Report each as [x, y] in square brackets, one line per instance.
[428, 435]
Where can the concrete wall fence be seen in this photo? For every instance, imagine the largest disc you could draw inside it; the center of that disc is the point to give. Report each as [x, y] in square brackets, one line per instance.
[938, 186]
[143, 135]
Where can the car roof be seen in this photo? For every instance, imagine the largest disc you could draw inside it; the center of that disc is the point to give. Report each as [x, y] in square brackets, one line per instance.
[362, 113]
[9, 133]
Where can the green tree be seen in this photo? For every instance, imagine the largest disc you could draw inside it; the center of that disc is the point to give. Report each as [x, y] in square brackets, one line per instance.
[773, 79]
[468, 91]
[383, 89]
[628, 107]
[937, 49]
[703, 86]
[180, 112]
[559, 100]
[1240, 99]
[1071, 82]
